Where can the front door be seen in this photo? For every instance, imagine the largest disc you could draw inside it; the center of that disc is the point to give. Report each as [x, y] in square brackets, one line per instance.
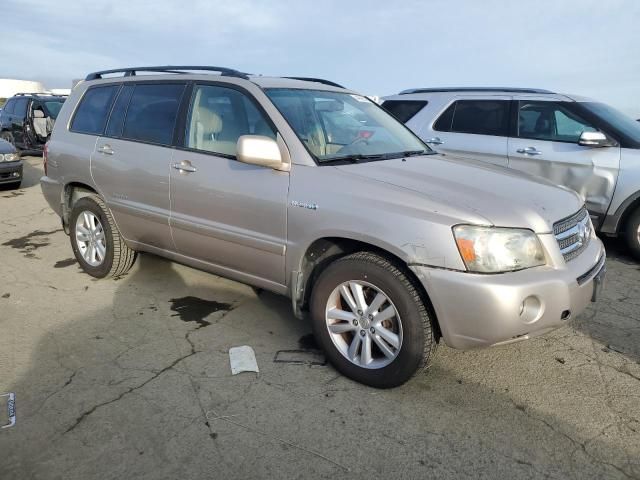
[546, 145]
[223, 212]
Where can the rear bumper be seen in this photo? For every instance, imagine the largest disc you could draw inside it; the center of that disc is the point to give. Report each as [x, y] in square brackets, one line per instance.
[52, 191]
[10, 172]
[482, 310]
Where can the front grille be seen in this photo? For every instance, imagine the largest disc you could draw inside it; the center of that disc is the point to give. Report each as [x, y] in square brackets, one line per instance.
[573, 234]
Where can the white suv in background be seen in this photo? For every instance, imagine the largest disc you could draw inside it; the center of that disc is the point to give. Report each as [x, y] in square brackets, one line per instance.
[573, 141]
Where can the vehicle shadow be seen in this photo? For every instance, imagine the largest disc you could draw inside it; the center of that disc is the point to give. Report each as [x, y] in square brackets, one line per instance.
[614, 320]
[134, 382]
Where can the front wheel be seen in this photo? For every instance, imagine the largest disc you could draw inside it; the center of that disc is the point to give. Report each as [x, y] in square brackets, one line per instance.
[632, 233]
[96, 241]
[371, 320]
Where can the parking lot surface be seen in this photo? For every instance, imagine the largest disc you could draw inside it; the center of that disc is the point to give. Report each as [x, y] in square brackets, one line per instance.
[130, 378]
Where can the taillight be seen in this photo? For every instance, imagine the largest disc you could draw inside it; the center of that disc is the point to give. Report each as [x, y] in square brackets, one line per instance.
[45, 154]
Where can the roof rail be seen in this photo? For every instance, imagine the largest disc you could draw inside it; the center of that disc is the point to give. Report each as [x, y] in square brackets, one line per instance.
[474, 89]
[317, 80]
[40, 94]
[132, 71]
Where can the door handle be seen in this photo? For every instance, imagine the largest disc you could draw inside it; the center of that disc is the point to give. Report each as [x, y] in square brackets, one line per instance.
[184, 167]
[529, 151]
[435, 141]
[106, 149]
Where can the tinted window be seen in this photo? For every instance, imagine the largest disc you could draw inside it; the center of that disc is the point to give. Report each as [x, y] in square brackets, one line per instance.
[20, 109]
[94, 107]
[622, 123]
[8, 107]
[550, 121]
[152, 112]
[443, 124]
[53, 108]
[218, 116]
[481, 117]
[116, 119]
[404, 110]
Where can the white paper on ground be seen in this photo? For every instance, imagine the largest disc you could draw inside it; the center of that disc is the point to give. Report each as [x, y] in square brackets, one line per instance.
[242, 359]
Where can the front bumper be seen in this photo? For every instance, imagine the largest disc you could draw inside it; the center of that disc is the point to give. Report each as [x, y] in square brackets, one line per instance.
[10, 172]
[476, 310]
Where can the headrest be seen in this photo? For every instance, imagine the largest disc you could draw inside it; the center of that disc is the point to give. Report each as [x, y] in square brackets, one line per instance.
[38, 113]
[210, 120]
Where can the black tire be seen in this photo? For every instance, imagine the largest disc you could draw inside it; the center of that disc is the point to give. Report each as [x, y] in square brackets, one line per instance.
[418, 343]
[632, 233]
[119, 258]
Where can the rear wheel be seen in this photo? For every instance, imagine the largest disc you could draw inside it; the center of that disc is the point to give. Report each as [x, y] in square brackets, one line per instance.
[370, 319]
[632, 233]
[96, 241]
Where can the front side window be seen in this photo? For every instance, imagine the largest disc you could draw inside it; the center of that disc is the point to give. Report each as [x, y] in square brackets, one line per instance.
[342, 126]
[52, 108]
[152, 112]
[91, 115]
[550, 121]
[219, 116]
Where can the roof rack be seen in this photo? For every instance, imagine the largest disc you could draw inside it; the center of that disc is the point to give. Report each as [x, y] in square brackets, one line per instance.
[475, 89]
[132, 71]
[317, 80]
[40, 94]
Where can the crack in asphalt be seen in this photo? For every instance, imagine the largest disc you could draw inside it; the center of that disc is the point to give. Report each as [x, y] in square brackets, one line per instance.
[87, 413]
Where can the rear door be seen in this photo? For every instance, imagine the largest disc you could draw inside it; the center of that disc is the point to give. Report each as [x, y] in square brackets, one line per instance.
[229, 214]
[475, 128]
[545, 143]
[132, 158]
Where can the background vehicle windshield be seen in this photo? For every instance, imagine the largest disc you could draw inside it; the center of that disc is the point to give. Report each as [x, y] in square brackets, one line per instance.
[619, 120]
[53, 108]
[335, 125]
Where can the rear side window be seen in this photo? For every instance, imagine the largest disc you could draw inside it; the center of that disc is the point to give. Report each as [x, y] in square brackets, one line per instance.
[404, 110]
[8, 107]
[91, 115]
[20, 108]
[152, 112]
[479, 117]
[116, 119]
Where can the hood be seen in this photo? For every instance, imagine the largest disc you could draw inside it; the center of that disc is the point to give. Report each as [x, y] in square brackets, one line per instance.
[6, 147]
[504, 197]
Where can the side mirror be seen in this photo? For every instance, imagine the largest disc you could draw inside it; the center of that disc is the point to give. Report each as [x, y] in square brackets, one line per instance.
[260, 150]
[594, 139]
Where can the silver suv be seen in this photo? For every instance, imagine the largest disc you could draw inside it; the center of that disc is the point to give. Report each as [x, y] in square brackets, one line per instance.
[310, 190]
[572, 141]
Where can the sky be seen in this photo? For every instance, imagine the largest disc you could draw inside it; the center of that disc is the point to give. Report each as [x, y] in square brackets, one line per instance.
[584, 47]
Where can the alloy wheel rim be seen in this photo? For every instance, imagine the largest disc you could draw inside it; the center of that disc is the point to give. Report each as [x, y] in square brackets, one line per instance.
[90, 238]
[364, 324]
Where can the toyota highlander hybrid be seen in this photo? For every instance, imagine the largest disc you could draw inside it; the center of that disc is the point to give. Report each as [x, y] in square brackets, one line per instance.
[310, 190]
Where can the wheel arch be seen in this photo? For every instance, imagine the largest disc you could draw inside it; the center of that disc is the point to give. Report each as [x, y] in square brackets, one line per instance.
[71, 193]
[323, 251]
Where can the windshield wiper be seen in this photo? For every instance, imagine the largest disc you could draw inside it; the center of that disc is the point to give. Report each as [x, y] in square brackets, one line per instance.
[353, 158]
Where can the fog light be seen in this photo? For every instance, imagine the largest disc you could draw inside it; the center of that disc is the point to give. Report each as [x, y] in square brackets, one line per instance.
[531, 309]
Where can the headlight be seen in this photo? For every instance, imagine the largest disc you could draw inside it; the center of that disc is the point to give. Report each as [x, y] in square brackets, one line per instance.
[494, 250]
[9, 157]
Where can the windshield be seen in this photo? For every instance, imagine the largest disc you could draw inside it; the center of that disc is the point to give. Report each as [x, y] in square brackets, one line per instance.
[340, 126]
[53, 108]
[626, 125]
